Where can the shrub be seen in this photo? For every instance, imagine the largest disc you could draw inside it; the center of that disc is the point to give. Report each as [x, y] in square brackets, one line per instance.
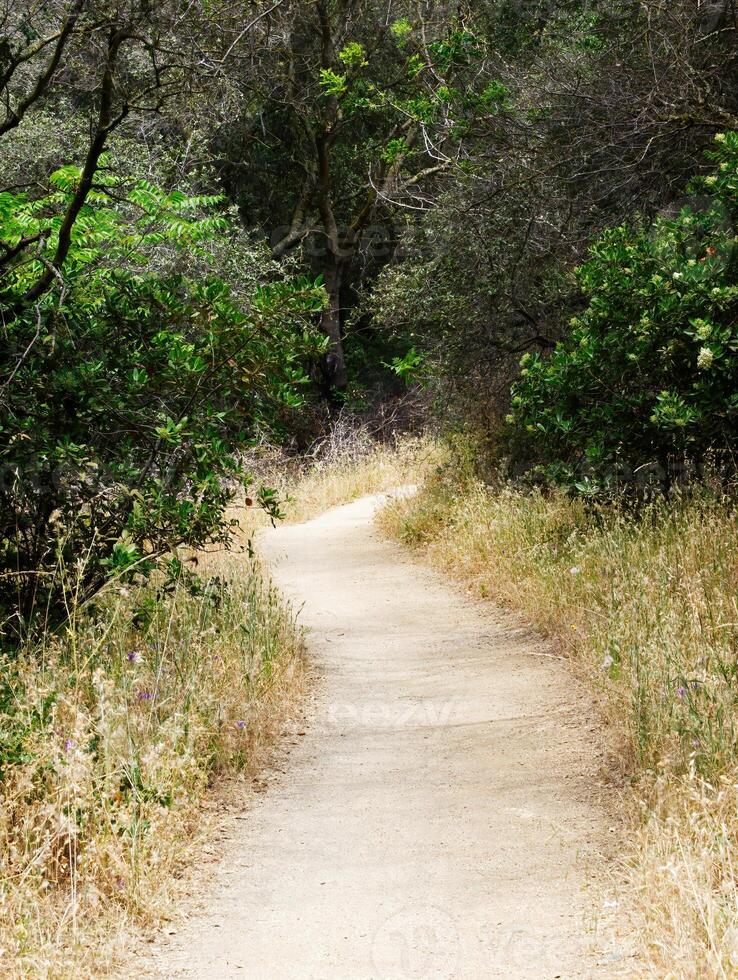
[129, 389]
[649, 374]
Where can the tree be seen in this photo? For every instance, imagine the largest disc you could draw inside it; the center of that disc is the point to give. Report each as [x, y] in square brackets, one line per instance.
[349, 115]
[127, 387]
[31, 50]
[607, 112]
[648, 378]
[127, 394]
[115, 62]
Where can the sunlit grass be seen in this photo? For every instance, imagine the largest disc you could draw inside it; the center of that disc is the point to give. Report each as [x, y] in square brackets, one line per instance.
[111, 734]
[345, 477]
[645, 605]
[345, 465]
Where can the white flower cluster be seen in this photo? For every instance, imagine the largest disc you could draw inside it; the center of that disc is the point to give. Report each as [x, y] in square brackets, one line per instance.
[705, 359]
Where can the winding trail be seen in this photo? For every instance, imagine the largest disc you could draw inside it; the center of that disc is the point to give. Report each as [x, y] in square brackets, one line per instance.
[440, 817]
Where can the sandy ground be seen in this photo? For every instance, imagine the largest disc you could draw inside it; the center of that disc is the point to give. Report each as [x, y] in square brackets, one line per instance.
[442, 813]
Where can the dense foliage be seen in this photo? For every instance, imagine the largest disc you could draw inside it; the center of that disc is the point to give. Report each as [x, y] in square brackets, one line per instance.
[647, 380]
[350, 116]
[128, 390]
[609, 109]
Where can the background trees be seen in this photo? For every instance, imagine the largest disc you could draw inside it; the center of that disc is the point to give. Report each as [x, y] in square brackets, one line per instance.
[347, 119]
[432, 173]
[609, 111]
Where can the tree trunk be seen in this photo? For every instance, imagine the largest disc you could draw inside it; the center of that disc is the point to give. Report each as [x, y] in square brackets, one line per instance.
[334, 363]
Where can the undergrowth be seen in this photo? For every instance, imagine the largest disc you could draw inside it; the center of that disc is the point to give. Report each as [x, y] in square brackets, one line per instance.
[646, 606]
[111, 733]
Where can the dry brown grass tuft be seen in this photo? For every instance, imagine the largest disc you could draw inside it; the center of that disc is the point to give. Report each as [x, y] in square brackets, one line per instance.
[110, 735]
[646, 607]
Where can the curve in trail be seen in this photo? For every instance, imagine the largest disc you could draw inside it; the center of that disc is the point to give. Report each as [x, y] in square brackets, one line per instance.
[439, 818]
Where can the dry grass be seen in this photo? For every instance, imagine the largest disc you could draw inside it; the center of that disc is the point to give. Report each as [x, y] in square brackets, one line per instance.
[110, 736]
[347, 464]
[112, 733]
[647, 609]
[338, 479]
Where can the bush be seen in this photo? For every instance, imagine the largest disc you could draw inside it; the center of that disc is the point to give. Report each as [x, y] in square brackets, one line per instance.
[648, 377]
[129, 389]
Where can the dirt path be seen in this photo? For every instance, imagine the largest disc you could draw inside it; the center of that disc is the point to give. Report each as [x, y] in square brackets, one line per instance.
[439, 818]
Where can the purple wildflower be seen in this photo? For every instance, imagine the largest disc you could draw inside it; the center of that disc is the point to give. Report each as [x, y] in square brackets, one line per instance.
[240, 725]
[133, 656]
[68, 744]
[681, 692]
[145, 696]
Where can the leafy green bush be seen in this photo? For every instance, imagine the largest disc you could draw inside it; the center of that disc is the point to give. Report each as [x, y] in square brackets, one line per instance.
[128, 389]
[648, 377]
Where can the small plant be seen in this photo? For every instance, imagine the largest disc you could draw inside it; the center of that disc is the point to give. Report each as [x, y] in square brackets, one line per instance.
[332, 83]
[409, 366]
[401, 29]
[349, 462]
[353, 55]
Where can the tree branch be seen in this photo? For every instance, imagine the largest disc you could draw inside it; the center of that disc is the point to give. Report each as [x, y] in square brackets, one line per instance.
[15, 116]
[106, 123]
